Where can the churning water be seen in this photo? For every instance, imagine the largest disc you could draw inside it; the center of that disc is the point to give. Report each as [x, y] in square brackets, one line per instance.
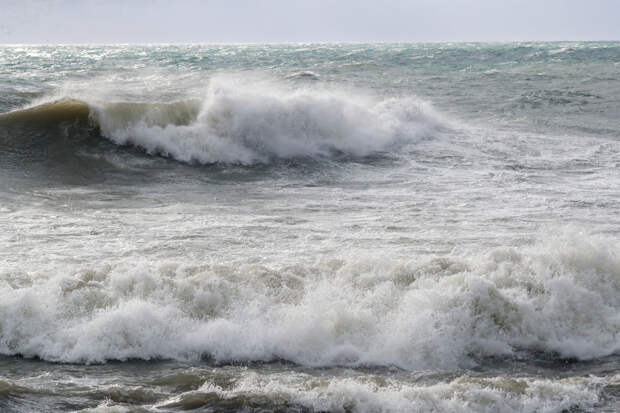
[312, 227]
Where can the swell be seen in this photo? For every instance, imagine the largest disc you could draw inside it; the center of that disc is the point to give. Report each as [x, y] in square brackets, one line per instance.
[238, 123]
[48, 116]
[64, 137]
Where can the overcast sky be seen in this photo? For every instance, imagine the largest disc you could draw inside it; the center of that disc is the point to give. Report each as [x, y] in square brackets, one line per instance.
[255, 21]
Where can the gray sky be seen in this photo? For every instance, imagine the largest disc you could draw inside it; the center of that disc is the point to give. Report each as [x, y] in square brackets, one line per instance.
[239, 21]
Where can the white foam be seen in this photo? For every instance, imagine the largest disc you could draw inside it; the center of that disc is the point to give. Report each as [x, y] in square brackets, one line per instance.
[379, 394]
[248, 121]
[561, 295]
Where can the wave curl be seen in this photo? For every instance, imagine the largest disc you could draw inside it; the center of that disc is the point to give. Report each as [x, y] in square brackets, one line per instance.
[246, 123]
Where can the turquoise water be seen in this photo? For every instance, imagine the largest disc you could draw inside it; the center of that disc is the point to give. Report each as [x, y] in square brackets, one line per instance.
[310, 227]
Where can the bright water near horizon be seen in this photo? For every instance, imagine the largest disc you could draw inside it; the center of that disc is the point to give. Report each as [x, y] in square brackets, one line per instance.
[313, 227]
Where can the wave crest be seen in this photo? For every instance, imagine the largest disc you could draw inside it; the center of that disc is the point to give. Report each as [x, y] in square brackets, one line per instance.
[48, 114]
[558, 297]
[246, 123]
[250, 123]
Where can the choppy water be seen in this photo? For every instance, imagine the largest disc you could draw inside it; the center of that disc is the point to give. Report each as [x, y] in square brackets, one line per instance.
[428, 227]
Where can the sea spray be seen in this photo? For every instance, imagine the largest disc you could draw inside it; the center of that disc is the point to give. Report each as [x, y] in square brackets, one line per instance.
[559, 296]
[246, 122]
[201, 226]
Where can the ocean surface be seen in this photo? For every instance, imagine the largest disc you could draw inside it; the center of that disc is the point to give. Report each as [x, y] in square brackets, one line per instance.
[310, 228]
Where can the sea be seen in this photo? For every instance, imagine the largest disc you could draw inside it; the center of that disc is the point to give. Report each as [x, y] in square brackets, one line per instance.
[427, 227]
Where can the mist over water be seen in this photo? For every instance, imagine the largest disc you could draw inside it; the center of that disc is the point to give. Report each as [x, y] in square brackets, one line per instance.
[310, 227]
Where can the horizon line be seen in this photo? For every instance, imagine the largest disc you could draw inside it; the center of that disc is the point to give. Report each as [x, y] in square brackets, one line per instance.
[303, 42]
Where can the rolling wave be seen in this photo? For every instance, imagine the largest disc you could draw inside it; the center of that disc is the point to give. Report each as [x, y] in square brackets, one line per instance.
[58, 114]
[48, 114]
[241, 123]
[559, 297]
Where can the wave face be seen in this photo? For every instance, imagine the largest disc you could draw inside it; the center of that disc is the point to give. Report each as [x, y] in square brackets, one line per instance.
[48, 114]
[559, 297]
[246, 123]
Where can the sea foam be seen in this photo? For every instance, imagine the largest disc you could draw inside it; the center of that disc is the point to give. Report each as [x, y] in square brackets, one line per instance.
[559, 297]
[244, 122]
[377, 394]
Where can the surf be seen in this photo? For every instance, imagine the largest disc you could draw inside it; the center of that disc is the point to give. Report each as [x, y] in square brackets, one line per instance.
[239, 122]
[558, 296]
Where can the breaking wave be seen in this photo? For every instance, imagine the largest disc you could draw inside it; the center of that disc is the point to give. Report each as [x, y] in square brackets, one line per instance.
[559, 297]
[377, 394]
[245, 123]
